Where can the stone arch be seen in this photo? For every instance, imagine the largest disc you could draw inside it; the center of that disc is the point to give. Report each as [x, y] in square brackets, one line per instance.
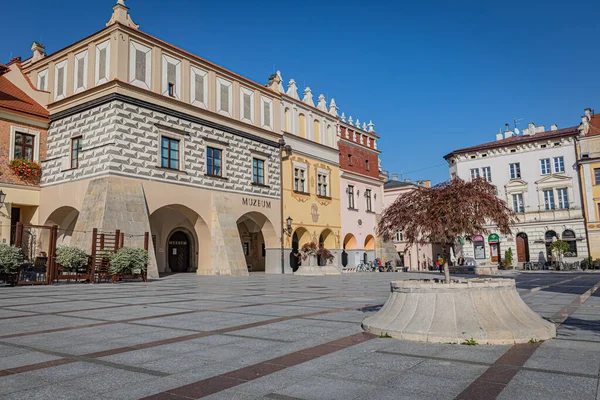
[350, 242]
[302, 235]
[369, 243]
[168, 219]
[66, 219]
[259, 241]
[327, 239]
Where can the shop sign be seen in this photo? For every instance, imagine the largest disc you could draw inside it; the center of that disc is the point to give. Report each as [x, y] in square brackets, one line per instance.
[493, 238]
[247, 201]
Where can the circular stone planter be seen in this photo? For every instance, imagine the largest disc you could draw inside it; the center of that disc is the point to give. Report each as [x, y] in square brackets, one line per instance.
[487, 310]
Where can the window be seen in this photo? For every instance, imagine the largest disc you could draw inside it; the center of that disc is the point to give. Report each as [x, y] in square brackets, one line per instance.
[549, 199]
[199, 87]
[559, 164]
[258, 171]
[24, 146]
[350, 160]
[140, 65]
[474, 173]
[368, 197]
[102, 62]
[299, 179]
[518, 205]
[367, 165]
[563, 198]
[60, 80]
[247, 105]
[171, 76]
[80, 75]
[350, 191]
[316, 135]
[214, 159]
[487, 173]
[545, 166]
[43, 80]
[569, 237]
[597, 176]
[169, 153]
[515, 171]
[75, 151]
[399, 236]
[287, 117]
[224, 90]
[479, 247]
[246, 248]
[322, 184]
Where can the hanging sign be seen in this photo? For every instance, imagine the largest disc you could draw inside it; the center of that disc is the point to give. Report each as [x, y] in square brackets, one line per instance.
[493, 238]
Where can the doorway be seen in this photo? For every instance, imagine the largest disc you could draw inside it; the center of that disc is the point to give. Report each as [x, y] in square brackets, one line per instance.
[495, 252]
[179, 252]
[15, 216]
[522, 247]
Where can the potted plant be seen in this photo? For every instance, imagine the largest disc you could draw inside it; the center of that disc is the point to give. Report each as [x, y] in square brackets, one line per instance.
[71, 258]
[11, 258]
[507, 263]
[559, 248]
[308, 254]
[325, 255]
[28, 171]
[129, 261]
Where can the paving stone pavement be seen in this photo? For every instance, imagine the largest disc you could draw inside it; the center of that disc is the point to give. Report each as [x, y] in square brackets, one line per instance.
[279, 337]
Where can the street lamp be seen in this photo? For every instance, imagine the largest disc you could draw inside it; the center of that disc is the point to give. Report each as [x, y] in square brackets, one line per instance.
[288, 225]
[2, 197]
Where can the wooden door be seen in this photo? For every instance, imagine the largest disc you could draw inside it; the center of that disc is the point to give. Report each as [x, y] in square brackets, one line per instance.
[179, 252]
[521, 249]
[495, 252]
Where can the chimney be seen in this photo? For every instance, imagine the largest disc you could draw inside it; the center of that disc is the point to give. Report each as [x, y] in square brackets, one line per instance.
[394, 177]
[407, 180]
[38, 51]
[386, 174]
[427, 183]
[553, 127]
[499, 136]
[508, 134]
[588, 113]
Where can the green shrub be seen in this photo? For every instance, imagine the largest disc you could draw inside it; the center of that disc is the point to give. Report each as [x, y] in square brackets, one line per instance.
[71, 258]
[11, 258]
[128, 261]
[470, 342]
[508, 258]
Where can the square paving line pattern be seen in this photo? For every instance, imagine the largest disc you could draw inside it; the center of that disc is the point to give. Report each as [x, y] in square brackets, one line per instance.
[202, 333]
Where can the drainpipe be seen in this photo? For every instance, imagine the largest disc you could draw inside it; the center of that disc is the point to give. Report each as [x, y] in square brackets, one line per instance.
[288, 151]
[581, 182]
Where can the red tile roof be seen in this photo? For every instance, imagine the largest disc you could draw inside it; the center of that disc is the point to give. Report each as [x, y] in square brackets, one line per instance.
[594, 126]
[3, 69]
[13, 98]
[514, 140]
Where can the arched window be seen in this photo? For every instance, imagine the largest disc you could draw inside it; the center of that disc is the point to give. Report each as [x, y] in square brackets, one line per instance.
[302, 125]
[549, 237]
[569, 237]
[317, 132]
[287, 119]
[330, 140]
[479, 247]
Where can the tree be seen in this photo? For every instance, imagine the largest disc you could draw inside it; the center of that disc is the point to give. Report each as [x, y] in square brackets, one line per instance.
[444, 213]
[559, 247]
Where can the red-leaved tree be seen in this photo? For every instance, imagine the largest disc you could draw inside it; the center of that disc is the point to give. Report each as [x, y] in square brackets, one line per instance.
[444, 213]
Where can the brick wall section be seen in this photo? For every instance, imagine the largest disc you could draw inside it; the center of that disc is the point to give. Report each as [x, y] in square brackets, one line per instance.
[6, 175]
[359, 156]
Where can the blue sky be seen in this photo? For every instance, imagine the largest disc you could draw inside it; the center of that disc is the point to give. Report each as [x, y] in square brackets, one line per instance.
[433, 76]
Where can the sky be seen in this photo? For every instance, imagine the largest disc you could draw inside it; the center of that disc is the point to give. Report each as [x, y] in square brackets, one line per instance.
[433, 76]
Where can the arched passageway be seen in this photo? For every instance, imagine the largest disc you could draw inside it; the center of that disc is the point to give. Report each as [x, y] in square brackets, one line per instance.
[260, 244]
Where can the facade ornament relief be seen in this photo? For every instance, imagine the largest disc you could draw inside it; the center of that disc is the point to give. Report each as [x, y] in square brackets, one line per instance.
[357, 123]
[275, 81]
[308, 98]
[292, 90]
[350, 120]
[364, 127]
[322, 103]
[371, 126]
[121, 15]
[343, 117]
[314, 212]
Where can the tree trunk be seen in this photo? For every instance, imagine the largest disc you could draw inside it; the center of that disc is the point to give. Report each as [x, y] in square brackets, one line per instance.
[446, 269]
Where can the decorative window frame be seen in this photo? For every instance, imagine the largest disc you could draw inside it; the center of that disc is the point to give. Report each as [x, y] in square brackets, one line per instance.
[102, 46]
[147, 82]
[63, 64]
[182, 142]
[229, 85]
[245, 91]
[265, 160]
[36, 145]
[42, 74]
[516, 186]
[266, 124]
[327, 173]
[166, 60]
[224, 156]
[554, 182]
[195, 102]
[303, 166]
[81, 55]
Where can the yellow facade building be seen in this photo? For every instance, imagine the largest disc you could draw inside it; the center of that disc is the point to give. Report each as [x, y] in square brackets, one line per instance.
[588, 155]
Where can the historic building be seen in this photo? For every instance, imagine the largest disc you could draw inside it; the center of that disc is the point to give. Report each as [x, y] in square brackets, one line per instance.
[588, 159]
[310, 173]
[360, 189]
[536, 174]
[417, 257]
[146, 137]
[23, 126]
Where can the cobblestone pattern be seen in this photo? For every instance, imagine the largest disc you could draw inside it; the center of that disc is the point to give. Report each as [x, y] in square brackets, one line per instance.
[124, 138]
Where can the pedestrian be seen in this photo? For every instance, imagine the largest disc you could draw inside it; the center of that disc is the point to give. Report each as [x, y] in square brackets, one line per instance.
[440, 262]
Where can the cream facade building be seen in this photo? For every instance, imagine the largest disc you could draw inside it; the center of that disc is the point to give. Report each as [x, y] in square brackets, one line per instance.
[146, 137]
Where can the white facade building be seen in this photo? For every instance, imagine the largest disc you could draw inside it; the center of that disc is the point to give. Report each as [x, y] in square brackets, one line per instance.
[536, 174]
